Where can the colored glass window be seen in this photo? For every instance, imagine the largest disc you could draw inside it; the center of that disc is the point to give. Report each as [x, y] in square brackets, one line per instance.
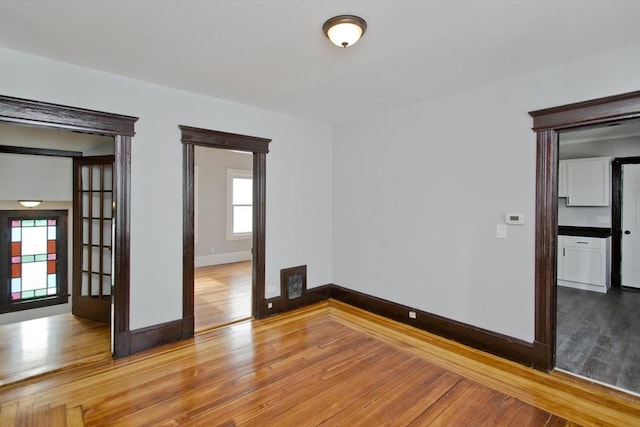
[33, 258]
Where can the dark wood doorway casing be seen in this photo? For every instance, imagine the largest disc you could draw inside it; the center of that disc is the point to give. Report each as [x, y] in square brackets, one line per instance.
[616, 216]
[191, 137]
[121, 128]
[547, 123]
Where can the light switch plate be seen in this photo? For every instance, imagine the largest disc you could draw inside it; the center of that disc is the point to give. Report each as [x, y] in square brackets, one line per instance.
[501, 231]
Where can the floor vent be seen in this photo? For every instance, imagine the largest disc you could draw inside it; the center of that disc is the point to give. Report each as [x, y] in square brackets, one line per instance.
[293, 282]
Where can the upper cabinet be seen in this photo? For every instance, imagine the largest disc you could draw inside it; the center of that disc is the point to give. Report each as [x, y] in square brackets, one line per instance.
[585, 182]
[562, 179]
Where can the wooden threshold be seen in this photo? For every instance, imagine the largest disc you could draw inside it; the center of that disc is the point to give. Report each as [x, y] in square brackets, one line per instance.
[328, 364]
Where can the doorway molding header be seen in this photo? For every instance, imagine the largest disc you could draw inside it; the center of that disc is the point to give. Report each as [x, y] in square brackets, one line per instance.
[37, 113]
[616, 107]
[218, 139]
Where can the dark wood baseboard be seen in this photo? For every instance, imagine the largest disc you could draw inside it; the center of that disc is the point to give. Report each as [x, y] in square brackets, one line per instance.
[543, 360]
[156, 335]
[280, 304]
[478, 338]
[491, 342]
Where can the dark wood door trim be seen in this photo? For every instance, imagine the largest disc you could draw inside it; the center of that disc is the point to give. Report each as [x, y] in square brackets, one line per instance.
[188, 240]
[616, 216]
[217, 139]
[121, 128]
[44, 114]
[10, 149]
[191, 137]
[547, 123]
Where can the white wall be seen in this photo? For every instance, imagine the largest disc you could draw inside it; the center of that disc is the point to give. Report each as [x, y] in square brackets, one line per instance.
[402, 205]
[587, 216]
[35, 177]
[298, 223]
[212, 246]
[418, 192]
[33, 137]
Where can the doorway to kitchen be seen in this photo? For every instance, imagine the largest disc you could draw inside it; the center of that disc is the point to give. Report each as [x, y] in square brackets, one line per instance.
[546, 124]
[594, 314]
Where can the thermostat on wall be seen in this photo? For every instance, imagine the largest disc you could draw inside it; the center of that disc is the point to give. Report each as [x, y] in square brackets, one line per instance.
[514, 218]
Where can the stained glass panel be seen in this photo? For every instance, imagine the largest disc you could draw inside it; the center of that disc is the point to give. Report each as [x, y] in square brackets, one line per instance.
[33, 258]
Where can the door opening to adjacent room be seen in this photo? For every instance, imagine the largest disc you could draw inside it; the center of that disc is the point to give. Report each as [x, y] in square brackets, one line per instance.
[598, 259]
[235, 219]
[58, 312]
[223, 234]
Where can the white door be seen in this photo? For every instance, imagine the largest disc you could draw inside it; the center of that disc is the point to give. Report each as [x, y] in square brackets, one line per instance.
[630, 269]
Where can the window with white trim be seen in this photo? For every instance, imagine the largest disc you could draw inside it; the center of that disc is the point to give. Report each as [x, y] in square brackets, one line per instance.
[239, 204]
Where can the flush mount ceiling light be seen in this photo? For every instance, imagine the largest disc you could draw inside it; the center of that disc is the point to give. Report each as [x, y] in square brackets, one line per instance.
[30, 203]
[344, 30]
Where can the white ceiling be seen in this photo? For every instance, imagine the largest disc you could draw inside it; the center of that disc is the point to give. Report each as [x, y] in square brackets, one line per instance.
[607, 132]
[272, 54]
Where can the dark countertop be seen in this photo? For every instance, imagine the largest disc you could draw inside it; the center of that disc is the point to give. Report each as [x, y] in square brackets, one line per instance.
[567, 230]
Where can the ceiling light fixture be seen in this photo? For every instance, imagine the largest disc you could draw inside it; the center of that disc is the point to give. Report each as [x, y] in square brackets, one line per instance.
[344, 30]
[30, 203]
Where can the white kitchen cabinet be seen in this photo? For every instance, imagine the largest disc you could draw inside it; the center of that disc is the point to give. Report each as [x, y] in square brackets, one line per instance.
[587, 181]
[583, 263]
[562, 178]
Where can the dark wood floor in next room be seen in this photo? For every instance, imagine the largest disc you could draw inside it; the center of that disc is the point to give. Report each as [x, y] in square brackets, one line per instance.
[598, 335]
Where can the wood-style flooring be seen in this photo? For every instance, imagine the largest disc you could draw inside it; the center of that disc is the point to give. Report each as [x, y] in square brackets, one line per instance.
[598, 335]
[222, 294]
[34, 347]
[329, 364]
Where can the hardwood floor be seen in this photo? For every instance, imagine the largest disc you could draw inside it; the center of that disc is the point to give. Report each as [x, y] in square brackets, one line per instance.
[329, 364]
[598, 336]
[34, 347]
[222, 294]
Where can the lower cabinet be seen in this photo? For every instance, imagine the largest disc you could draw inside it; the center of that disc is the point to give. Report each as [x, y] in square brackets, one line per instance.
[583, 263]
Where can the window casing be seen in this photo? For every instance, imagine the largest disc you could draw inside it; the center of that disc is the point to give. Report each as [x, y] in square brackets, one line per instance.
[239, 204]
[33, 256]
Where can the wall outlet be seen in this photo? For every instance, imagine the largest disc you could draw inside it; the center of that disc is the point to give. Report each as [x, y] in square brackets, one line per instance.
[212, 249]
[412, 315]
[269, 305]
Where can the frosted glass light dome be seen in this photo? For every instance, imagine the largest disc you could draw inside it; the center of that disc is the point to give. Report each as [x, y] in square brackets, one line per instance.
[344, 30]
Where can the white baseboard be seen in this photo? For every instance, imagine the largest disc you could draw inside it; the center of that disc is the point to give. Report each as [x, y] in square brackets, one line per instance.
[35, 313]
[203, 261]
[583, 286]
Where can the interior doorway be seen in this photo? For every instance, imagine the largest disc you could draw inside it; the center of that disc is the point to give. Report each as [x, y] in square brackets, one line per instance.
[42, 329]
[547, 123]
[594, 339]
[120, 129]
[259, 147]
[630, 245]
[223, 213]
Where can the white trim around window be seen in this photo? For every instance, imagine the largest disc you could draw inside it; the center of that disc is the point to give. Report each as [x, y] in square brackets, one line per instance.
[239, 214]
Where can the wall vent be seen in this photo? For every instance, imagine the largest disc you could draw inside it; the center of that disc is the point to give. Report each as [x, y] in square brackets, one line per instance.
[293, 282]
